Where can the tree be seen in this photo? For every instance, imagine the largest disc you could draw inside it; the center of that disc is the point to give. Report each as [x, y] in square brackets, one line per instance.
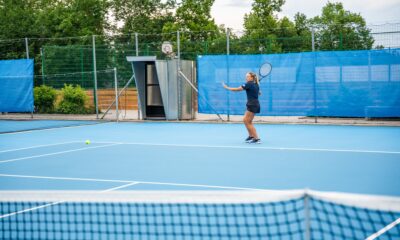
[52, 18]
[17, 21]
[339, 29]
[143, 16]
[17, 18]
[146, 17]
[303, 32]
[194, 15]
[286, 34]
[68, 27]
[261, 26]
[51, 21]
[198, 29]
[71, 18]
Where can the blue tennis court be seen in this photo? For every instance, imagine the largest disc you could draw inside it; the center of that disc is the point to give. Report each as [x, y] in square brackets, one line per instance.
[175, 158]
[350, 159]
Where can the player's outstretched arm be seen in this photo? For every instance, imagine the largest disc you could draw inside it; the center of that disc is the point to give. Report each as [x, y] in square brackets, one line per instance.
[231, 88]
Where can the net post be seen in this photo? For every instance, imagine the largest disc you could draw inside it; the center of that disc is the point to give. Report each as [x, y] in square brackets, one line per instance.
[95, 76]
[307, 217]
[116, 94]
[27, 48]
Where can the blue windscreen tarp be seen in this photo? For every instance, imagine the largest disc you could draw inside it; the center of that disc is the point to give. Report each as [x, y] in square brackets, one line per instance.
[336, 84]
[16, 81]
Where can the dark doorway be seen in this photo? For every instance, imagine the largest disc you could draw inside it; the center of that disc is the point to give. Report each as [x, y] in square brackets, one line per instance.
[154, 104]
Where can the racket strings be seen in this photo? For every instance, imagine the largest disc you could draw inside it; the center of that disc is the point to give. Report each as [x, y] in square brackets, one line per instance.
[265, 69]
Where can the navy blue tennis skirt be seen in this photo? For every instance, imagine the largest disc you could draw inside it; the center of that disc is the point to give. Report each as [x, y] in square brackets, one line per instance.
[253, 106]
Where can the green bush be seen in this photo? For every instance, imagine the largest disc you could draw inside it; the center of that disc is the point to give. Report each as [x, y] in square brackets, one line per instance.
[44, 98]
[73, 100]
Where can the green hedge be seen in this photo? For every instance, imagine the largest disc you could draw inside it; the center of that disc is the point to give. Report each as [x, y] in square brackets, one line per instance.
[73, 100]
[44, 98]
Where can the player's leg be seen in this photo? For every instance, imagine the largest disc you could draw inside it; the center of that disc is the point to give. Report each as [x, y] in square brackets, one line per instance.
[251, 127]
[248, 122]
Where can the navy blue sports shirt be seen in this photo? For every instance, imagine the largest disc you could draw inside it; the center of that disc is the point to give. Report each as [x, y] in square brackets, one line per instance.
[252, 90]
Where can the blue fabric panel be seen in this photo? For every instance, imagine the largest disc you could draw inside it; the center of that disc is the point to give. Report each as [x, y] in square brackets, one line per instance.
[340, 84]
[16, 81]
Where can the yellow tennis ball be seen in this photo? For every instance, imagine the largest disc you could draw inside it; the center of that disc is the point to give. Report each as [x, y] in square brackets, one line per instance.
[87, 141]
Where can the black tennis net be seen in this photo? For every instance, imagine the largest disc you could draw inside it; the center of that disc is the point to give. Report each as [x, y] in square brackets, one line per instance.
[188, 215]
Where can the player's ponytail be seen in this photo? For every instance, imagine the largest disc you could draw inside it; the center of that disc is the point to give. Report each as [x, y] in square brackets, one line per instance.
[255, 78]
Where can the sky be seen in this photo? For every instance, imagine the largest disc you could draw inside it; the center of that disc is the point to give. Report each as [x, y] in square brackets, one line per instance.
[231, 12]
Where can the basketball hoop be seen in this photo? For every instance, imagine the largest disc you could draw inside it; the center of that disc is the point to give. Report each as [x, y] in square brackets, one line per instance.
[166, 48]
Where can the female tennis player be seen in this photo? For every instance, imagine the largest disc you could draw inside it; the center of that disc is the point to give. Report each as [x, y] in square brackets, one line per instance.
[253, 105]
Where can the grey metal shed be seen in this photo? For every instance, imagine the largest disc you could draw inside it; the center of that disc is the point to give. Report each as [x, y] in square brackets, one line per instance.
[163, 93]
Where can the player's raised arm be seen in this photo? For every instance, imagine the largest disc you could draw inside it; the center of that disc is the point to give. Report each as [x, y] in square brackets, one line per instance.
[231, 88]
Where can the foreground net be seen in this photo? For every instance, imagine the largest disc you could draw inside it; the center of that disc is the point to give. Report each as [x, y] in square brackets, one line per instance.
[192, 215]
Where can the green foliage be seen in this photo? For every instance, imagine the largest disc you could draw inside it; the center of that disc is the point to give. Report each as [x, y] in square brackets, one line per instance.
[193, 19]
[157, 21]
[335, 29]
[194, 15]
[73, 100]
[145, 16]
[17, 19]
[339, 29]
[260, 24]
[51, 19]
[302, 26]
[44, 98]
[71, 18]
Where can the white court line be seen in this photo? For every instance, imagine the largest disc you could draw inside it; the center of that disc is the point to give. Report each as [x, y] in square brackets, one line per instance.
[65, 178]
[56, 153]
[129, 181]
[38, 146]
[255, 147]
[54, 128]
[59, 202]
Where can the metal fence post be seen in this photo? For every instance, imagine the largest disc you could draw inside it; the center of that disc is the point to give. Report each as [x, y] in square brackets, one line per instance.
[116, 93]
[27, 57]
[341, 40]
[137, 54]
[137, 44]
[82, 68]
[312, 39]
[42, 57]
[27, 48]
[178, 73]
[95, 76]
[315, 81]
[227, 69]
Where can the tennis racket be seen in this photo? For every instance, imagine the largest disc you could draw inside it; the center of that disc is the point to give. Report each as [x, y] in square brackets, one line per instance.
[265, 70]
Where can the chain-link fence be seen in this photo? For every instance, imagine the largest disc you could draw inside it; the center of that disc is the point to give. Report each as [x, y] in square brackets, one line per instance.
[86, 60]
